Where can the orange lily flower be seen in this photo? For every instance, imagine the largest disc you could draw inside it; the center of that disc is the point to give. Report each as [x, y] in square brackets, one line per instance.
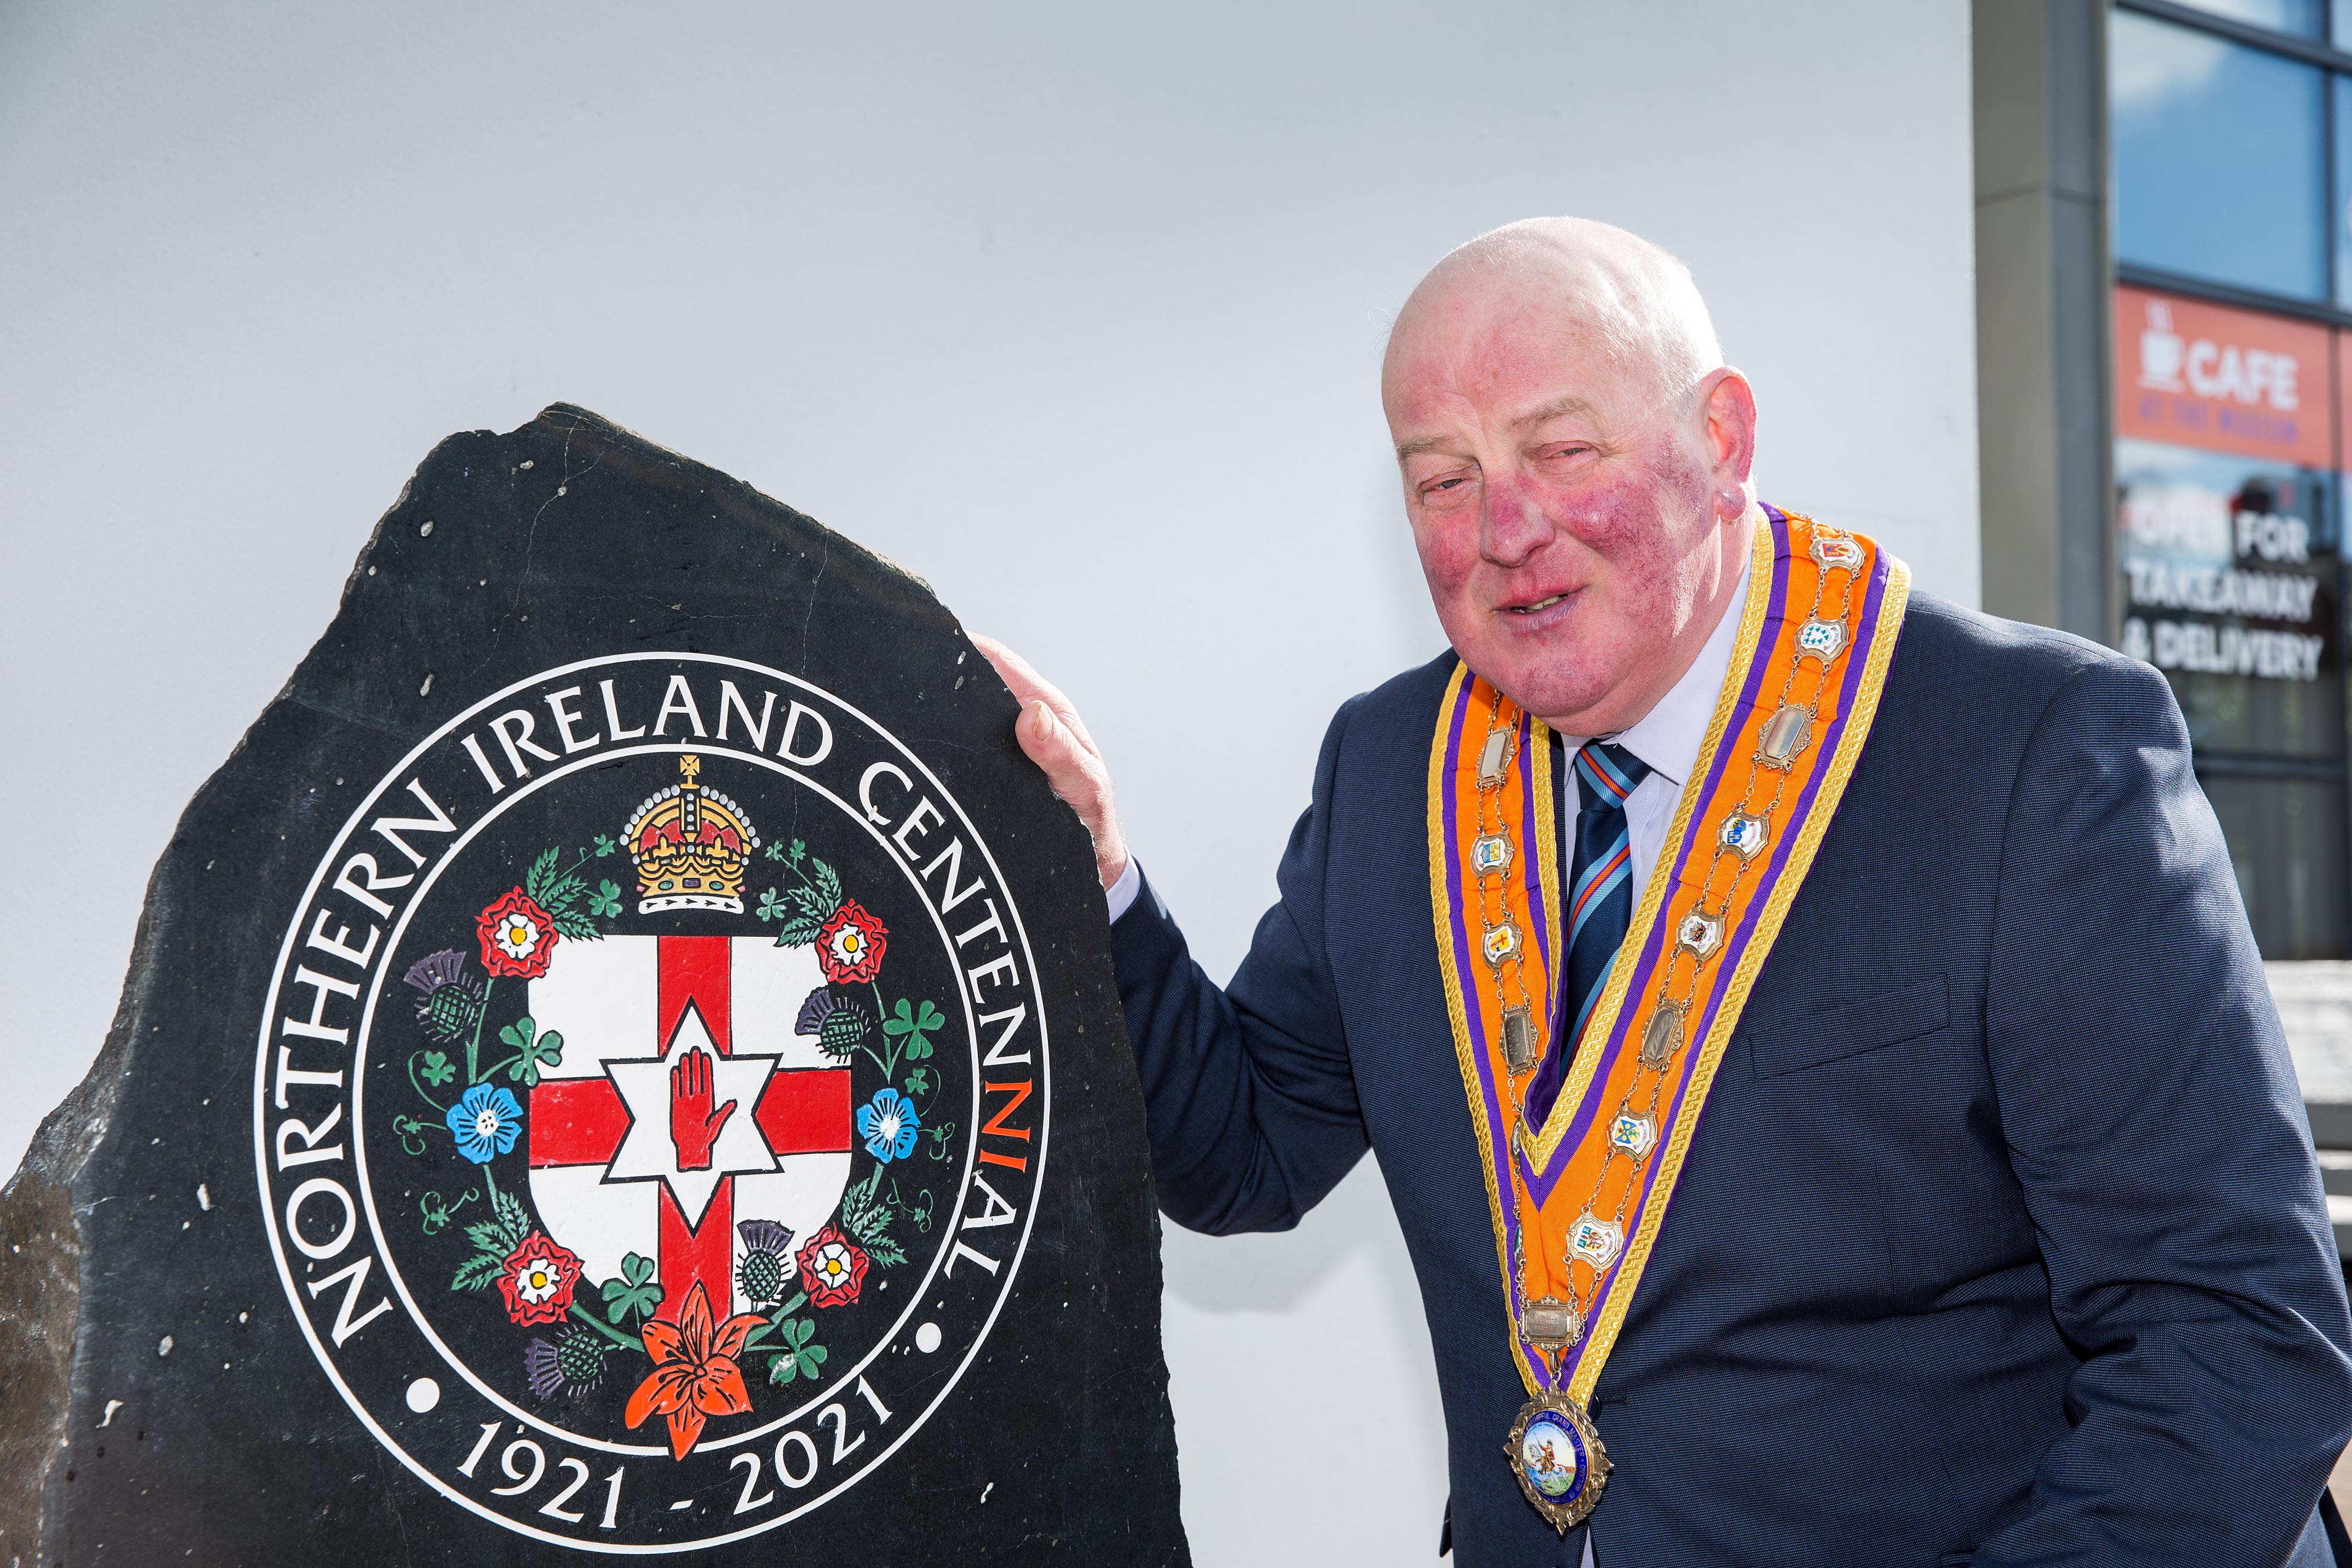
[695, 1374]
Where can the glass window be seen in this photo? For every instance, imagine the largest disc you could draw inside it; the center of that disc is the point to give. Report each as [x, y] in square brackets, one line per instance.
[2229, 588]
[2227, 541]
[2300, 18]
[2225, 530]
[2286, 844]
[2342, 86]
[2217, 158]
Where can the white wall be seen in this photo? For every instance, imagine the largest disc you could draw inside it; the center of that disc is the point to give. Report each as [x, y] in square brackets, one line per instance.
[1075, 312]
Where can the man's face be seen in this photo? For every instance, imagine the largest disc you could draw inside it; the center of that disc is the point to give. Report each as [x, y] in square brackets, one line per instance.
[1565, 516]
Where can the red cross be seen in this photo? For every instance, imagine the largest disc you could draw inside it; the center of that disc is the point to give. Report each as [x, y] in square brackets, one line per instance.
[580, 1121]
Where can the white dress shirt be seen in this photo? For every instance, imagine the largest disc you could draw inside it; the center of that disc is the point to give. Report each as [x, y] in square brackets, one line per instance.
[1667, 738]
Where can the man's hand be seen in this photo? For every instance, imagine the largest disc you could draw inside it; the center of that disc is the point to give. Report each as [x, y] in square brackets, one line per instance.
[1051, 732]
[693, 1124]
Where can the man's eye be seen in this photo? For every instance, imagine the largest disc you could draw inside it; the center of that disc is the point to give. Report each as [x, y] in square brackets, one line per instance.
[1446, 483]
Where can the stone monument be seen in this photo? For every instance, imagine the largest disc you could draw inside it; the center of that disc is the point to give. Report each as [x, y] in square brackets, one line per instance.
[623, 1059]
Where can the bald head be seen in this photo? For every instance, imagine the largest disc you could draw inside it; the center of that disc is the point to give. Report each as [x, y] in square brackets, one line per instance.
[1576, 462]
[1572, 278]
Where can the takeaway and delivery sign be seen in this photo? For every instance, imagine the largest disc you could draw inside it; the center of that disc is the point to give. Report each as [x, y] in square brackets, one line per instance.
[2224, 572]
[2193, 374]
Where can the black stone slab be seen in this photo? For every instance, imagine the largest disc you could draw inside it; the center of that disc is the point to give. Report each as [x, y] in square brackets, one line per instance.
[622, 1056]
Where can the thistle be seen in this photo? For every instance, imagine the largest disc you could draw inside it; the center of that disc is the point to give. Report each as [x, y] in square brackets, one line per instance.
[572, 1363]
[840, 1027]
[767, 1262]
[448, 1002]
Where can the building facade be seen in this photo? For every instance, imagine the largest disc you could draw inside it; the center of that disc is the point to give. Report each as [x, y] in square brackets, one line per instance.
[2165, 295]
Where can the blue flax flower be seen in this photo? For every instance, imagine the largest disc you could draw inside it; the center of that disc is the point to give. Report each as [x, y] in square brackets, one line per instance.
[484, 1121]
[888, 1124]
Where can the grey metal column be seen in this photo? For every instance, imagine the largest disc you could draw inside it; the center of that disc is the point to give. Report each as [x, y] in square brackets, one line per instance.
[2044, 280]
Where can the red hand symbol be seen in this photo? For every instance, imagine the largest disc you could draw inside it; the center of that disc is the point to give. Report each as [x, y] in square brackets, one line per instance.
[693, 1124]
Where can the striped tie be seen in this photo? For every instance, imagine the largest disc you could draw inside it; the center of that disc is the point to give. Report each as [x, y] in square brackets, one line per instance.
[1600, 905]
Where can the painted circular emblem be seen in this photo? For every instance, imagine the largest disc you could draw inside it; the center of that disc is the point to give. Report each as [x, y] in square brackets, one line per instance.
[650, 1103]
[1551, 1455]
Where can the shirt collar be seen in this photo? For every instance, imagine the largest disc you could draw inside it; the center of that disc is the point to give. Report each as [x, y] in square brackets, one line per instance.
[1668, 737]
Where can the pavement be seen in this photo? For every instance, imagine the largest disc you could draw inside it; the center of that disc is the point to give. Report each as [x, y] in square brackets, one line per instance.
[2314, 1002]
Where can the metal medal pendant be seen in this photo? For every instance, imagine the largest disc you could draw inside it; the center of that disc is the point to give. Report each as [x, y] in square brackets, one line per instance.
[1551, 1324]
[1519, 1040]
[1555, 1452]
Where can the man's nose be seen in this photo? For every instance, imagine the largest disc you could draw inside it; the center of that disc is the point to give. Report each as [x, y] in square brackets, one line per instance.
[1511, 526]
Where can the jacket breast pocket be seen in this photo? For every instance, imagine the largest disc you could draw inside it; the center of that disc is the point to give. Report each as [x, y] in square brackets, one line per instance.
[1851, 1028]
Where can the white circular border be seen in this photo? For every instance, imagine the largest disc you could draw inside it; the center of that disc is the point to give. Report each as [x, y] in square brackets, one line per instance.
[260, 1101]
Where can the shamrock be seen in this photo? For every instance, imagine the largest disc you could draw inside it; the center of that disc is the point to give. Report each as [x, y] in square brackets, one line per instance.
[605, 846]
[919, 1078]
[531, 1051]
[437, 1069]
[915, 1026]
[770, 906]
[634, 1291]
[606, 900]
[800, 1359]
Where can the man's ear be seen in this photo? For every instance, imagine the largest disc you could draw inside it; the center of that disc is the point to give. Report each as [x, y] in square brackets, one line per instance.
[1727, 407]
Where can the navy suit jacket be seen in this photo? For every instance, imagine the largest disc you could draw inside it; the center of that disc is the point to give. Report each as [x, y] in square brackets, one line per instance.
[2000, 1240]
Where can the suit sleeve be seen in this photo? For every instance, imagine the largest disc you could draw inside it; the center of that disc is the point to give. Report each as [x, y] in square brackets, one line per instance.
[1248, 1093]
[2153, 1118]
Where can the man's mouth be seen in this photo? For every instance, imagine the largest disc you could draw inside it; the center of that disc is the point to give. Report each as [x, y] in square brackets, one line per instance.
[1531, 609]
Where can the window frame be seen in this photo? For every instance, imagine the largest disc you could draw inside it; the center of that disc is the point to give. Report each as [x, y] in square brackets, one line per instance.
[2334, 64]
[2337, 63]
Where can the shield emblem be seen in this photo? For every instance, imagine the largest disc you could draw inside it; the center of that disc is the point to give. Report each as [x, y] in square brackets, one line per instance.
[684, 1106]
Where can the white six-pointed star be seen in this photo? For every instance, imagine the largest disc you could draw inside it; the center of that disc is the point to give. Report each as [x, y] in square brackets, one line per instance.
[647, 1152]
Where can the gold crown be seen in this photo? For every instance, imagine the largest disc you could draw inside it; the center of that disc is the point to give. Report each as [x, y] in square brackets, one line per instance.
[690, 845]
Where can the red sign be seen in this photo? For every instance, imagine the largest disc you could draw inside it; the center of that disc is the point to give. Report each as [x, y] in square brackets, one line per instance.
[2343, 413]
[2193, 374]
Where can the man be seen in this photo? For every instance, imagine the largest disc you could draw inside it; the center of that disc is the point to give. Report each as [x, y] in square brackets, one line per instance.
[1998, 1240]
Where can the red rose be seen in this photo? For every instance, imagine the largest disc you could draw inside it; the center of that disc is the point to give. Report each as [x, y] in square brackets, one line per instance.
[538, 1280]
[850, 945]
[517, 936]
[831, 1268]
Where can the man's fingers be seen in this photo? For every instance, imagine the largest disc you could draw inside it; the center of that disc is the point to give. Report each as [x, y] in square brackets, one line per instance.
[1075, 772]
[1051, 737]
[1011, 668]
[1030, 687]
[1077, 775]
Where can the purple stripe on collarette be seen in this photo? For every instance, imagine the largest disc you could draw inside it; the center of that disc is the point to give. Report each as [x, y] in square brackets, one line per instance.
[1874, 600]
[1509, 1205]
[1530, 866]
[1541, 1183]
